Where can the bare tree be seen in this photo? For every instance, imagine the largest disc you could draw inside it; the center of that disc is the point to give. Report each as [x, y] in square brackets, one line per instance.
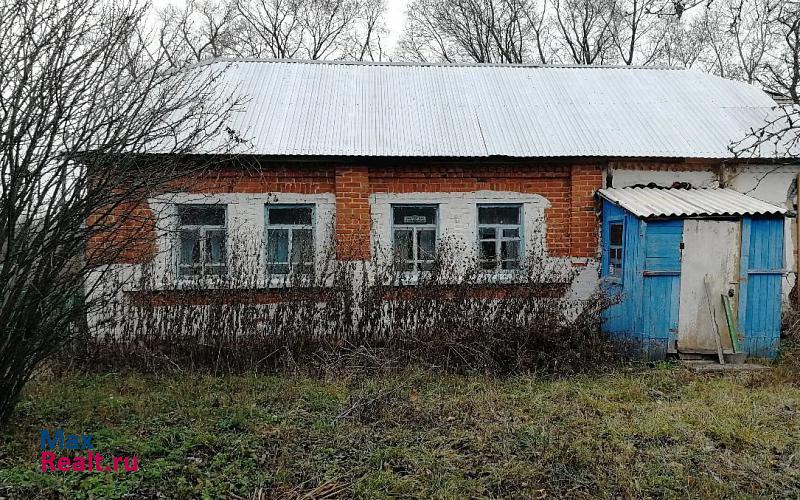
[279, 29]
[677, 8]
[637, 33]
[587, 29]
[311, 29]
[483, 31]
[202, 29]
[782, 72]
[752, 26]
[325, 24]
[683, 44]
[779, 136]
[719, 56]
[364, 40]
[82, 105]
[272, 26]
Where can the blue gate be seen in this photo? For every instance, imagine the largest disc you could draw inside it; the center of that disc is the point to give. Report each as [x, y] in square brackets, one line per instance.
[761, 270]
[661, 288]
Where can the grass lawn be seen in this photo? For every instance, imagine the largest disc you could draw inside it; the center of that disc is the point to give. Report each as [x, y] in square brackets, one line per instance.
[634, 433]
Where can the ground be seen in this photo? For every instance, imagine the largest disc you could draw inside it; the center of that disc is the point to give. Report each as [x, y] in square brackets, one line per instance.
[635, 432]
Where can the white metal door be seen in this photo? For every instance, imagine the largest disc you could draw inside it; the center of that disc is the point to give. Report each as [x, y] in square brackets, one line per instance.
[710, 247]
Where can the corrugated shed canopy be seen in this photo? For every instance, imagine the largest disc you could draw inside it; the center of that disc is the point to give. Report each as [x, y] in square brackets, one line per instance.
[656, 202]
[384, 109]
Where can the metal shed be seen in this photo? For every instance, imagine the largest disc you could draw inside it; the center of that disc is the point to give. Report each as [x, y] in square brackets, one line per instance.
[674, 257]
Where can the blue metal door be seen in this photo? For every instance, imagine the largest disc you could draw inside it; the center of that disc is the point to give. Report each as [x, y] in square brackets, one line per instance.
[761, 269]
[661, 287]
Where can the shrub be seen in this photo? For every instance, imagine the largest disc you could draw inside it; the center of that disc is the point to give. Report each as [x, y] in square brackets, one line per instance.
[358, 316]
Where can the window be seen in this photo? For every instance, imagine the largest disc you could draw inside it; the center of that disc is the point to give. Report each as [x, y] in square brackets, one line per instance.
[414, 236]
[202, 240]
[290, 239]
[500, 236]
[615, 240]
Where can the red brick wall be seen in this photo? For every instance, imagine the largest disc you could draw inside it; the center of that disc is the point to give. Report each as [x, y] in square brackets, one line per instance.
[262, 179]
[569, 186]
[552, 183]
[124, 234]
[352, 213]
[583, 226]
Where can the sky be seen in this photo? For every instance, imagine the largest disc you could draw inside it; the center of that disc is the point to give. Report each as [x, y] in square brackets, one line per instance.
[395, 17]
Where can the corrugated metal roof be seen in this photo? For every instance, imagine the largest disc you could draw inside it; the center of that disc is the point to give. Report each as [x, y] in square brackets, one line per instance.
[657, 202]
[341, 109]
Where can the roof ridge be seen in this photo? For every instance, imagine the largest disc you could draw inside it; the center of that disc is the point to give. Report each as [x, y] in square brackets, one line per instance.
[231, 60]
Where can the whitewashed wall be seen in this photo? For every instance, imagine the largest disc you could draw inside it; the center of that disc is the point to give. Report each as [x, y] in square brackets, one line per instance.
[626, 178]
[458, 215]
[245, 225]
[458, 222]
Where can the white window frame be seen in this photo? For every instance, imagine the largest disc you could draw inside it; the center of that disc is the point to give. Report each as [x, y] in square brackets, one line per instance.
[499, 238]
[203, 230]
[415, 261]
[291, 228]
[617, 275]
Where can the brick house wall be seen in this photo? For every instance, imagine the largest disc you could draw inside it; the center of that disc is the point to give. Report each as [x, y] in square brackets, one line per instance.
[128, 234]
[567, 185]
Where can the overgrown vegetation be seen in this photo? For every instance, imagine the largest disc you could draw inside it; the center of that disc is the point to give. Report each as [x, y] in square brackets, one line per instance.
[81, 95]
[353, 317]
[659, 432]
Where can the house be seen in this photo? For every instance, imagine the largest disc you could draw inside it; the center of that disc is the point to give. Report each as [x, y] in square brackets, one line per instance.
[505, 158]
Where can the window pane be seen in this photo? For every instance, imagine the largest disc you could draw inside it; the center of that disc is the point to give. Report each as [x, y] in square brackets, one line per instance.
[498, 215]
[403, 248]
[302, 245]
[215, 247]
[509, 250]
[290, 216]
[414, 215]
[510, 233]
[426, 244]
[190, 247]
[488, 250]
[278, 245]
[510, 254]
[615, 234]
[202, 215]
[486, 233]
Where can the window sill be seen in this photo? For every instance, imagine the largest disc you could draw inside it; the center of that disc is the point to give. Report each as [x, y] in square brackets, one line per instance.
[216, 283]
[507, 277]
[500, 277]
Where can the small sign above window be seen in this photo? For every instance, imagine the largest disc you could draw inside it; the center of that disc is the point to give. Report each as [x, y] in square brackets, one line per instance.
[414, 214]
